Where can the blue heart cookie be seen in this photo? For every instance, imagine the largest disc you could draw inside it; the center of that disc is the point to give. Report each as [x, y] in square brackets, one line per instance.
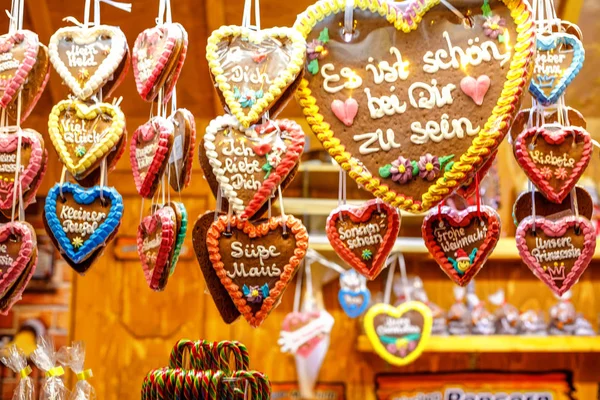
[63, 219]
[354, 303]
[549, 80]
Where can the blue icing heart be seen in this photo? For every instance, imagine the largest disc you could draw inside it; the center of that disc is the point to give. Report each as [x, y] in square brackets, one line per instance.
[83, 248]
[354, 303]
[547, 86]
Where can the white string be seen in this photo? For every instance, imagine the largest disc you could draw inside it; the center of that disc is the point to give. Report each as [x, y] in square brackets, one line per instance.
[309, 284]
[314, 256]
[103, 173]
[349, 20]
[164, 12]
[387, 295]
[574, 205]
[283, 217]
[403, 276]
[453, 9]
[121, 6]
[63, 177]
[298, 290]
[247, 16]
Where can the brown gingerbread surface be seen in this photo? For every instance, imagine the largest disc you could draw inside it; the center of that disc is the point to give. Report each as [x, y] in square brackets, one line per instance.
[363, 238]
[409, 326]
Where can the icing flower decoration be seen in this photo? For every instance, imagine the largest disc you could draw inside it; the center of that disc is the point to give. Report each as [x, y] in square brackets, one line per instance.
[401, 170]
[561, 173]
[77, 242]
[429, 167]
[83, 74]
[80, 151]
[367, 254]
[494, 26]
[248, 98]
[274, 158]
[256, 294]
[316, 50]
[546, 172]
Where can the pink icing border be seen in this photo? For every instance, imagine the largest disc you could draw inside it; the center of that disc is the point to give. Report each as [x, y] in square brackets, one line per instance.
[25, 113]
[555, 229]
[165, 216]
[25, 253]
[32, 47]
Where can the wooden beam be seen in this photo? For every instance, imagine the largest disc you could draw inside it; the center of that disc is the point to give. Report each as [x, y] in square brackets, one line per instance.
[570, 10]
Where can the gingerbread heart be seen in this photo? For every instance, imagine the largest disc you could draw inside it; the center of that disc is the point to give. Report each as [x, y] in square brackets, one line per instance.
[252, 69]
[416, 136]
[255, 261]
[155, 242]
[31, 157]
[461, 241]
[557, 252]
[249, 164]
[528, 118]
[182, 218]
[364, 236]
[81, 221]
[399, 334]
[173, 76]
[149, 154]
[471, 186]
[86, 58]
[354, 296]
[558, 60]
[18, 54]
[525, 203]
[301, 332]
[182, 155]
[84, 133]
[554, 158]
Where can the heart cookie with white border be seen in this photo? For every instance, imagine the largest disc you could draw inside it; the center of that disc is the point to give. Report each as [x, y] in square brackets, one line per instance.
[418, 133]
[155, 244]
[18, 54]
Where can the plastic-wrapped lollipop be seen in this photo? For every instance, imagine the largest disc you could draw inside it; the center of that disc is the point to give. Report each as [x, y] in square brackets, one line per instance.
[483, 321]
[533, 323]
[507, 315]
[439, 315]
[15, 359]
[563, 316]
[458, 314]
[73, 357]
[44, 357]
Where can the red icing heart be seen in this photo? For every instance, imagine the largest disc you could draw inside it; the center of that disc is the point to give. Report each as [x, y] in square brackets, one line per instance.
[23, 47]
[149, 154]
[155, 242]
[542, 251]
[262, 149]
[554, 160]
[381, 219]
[461, 241]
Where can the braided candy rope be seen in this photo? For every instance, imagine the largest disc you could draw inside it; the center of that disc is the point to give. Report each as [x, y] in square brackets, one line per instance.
[483, 145]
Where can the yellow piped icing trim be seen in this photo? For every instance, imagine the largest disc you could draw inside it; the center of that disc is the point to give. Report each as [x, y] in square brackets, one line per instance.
[517, 78]
[280, 83]
[98, 150]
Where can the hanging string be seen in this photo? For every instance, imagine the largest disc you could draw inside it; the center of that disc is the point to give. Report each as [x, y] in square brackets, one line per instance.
[455, 11]
[164, 12]
[349, 20]
[403, 276]
[309, 298]
[314, 256]
[477, 195]
[219, 203]
[342, 188]
[532, 190]
[63, 177]
[283, 216]
[298, 290]
[387, 294]
[247, 16]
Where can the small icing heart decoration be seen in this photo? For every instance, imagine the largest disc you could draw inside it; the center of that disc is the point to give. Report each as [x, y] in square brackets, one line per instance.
[156, 239]
[86, 58]
[149, 153]
[32, 159]
[419, 127]
[461, 241]
[556, 251]
[364, 236]
[476, 89]
[18, 260]
[345, 111]
[256, 261]
[182, 155]
[302, 331]
[251, 85]
[81, 221]
[157, 58]
[559, 59]
[18, 54]
[554, 158]
[399, 334]
[249, 164]
[354, 296]
[83, 134]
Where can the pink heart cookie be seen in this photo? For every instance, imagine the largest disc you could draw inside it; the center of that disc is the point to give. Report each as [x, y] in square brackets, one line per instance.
[345, 111]
[155, 243]
[476, 88]
[557, 252]
[149, 154]
[313, 325]
[18, 54]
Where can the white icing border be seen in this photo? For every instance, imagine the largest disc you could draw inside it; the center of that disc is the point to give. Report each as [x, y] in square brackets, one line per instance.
[106, 68]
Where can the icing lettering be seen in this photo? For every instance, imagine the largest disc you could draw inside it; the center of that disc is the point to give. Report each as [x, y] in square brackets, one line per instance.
[386, 143]
[550, 159]
[5, 258]
[452, 239]
[554, 249]
[385, 72]
[384, 105]
[548, 64]
[89, 220]
[245, 74]
[353, 81]
[145, 155]
[430, 96]
[437, 132]
[148, 244]
[250, 251]
[397, 327]
[361, 236]
[82, 55]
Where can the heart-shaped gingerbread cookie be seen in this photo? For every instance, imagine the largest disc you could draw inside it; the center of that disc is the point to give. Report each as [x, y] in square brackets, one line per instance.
[86, 58]
[469, 188]
[461, 241]
[84, 133]
[303, 331]
[418, 132]
[354, 296]
[149, 154]
[364, 236]
[252, 69]
[155, 244]
[249, 164]
[554, 158]
[399, 334]
[18, 54]
[182, 155]
[255, 261]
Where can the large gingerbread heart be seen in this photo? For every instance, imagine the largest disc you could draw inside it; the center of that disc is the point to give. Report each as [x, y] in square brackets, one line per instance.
[364, 236]
[249, 164]
[554, 159]
[84, 133]
[255, 261]
[18, 54]
[31, 154]
[155, 244]
[85, 58]
[399, 334]
[81, 221]
[559, 59]
[461, 241]
[252, 69]
[149, 154]
[416, 99]
[557, 252]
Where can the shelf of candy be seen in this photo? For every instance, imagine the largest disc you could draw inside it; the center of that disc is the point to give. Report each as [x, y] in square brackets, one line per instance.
[16, 360]
[203, 370]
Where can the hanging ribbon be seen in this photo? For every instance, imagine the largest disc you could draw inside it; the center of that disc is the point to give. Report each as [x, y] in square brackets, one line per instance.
[164, 13]
[247, 17]
[314, 256]
[391, 262]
